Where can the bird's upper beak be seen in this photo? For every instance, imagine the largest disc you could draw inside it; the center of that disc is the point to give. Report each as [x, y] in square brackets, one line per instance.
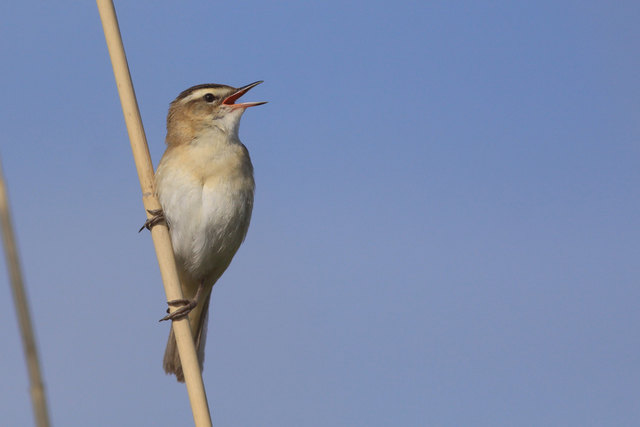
[231, 99]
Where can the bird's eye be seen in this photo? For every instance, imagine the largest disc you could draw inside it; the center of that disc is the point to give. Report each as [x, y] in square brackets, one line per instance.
[209, 97]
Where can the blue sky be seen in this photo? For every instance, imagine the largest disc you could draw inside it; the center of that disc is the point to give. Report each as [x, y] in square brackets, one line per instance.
[445, 231]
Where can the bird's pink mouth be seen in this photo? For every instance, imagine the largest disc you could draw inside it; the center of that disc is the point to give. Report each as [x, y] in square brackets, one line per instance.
[231, 99]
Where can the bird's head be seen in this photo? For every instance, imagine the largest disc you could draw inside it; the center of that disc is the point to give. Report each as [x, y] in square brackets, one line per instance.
[204, 107]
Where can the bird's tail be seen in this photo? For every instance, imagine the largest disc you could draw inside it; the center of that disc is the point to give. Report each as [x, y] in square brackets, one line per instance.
[198, 319]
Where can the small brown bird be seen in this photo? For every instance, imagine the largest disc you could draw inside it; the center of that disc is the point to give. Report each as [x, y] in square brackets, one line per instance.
[205, 186]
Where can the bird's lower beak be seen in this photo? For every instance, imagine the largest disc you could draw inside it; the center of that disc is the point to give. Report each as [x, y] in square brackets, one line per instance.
[231, 99]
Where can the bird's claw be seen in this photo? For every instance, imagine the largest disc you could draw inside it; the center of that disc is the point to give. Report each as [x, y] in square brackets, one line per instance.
[187, 306]
[157, 217]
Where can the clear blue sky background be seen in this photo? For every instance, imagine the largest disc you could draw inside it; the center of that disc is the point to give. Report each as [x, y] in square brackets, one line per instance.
[446, 230]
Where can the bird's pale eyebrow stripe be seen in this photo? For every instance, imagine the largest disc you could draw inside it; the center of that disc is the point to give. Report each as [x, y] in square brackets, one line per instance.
[192, 92]
[199, 93]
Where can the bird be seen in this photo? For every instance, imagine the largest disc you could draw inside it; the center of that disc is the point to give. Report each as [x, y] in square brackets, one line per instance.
[205, 186]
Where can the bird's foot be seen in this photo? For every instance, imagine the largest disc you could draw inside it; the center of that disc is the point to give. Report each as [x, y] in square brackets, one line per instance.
[187, 306]
[157, 217]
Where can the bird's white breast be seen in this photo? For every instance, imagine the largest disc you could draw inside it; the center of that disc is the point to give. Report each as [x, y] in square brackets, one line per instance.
[206, 192]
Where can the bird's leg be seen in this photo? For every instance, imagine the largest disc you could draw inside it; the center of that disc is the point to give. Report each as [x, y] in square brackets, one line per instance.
[187, 305]
[157, 216]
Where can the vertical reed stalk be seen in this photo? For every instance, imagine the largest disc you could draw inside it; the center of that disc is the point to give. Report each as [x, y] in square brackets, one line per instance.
[159, 233]
[38, 397]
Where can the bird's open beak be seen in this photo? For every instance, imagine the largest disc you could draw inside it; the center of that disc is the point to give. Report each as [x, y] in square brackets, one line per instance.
[231, 99]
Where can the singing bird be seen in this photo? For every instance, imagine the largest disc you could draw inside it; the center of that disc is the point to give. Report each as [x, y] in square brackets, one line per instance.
[205, 186]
